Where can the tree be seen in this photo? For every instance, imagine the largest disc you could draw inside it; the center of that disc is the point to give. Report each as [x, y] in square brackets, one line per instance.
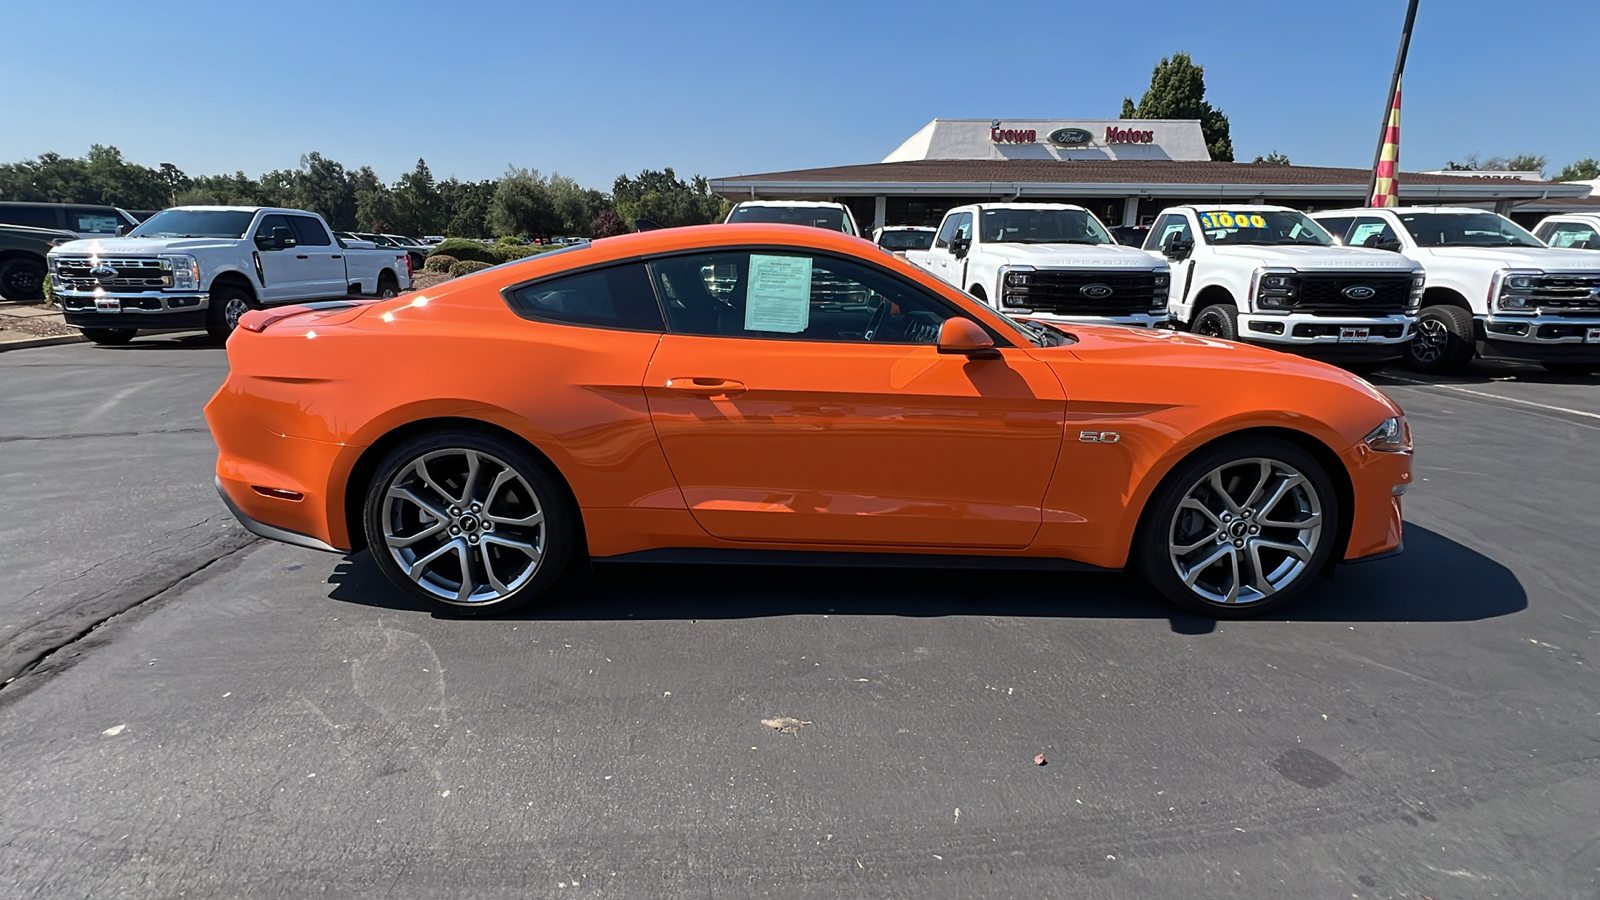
[1178, 91]
[1582, 170]
[1273, 159]
[466, 207]
[577, 206]
[1522, 162]
[416, 207]
[522, 205]
[375, 207]
[664, 198]
[323, 186]
[607, 224]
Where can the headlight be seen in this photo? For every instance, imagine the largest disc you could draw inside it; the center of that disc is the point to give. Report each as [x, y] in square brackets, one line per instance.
[185, 272]
[1519, 282]
[1419, 284]
[1017, 276]
[1393, 435]
[1275, 290]
[1275, 282]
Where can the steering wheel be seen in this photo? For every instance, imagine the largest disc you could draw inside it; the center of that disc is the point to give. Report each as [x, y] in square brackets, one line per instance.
[880, 312]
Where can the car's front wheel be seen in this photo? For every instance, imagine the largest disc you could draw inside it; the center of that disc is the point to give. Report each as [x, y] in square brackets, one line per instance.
[1240, 528]
[468, 523]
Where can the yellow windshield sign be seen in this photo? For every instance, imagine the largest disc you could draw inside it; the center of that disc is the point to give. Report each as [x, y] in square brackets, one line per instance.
[1232, 220]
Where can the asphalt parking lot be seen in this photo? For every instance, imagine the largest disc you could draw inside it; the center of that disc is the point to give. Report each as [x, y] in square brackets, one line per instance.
[253, 719]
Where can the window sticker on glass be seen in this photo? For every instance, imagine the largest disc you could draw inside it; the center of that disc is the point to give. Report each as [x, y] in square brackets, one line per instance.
[97, 224]
[779, 294]
[1231, 220]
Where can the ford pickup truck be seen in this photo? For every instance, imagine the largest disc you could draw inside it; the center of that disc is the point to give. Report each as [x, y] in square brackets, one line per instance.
[1270, 276]
[1492, 290]
[1047, 261]
[205, 266]
[1576, 231]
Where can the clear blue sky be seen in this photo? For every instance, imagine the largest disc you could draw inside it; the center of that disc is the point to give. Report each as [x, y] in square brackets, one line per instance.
[594, 89]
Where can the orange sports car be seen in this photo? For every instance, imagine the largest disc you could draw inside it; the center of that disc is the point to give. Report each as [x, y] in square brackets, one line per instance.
[780, 394]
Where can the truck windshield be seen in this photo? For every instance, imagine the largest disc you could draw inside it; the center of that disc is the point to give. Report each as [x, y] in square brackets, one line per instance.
[217, 223]
[1042, 226]
[830, 218]
[906, 240]
[1247, 226]
[1483, 229]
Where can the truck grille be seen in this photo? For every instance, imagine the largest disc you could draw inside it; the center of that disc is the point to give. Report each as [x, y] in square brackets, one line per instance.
[1566, 294]
[1079, 293]
[1324, 295]
[132, 275]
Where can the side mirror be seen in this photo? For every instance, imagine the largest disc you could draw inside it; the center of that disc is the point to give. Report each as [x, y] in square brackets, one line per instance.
[1175, 247]
[959, 247]
[965, 337]
[1392, 245]
[279, 238]
[122, 230]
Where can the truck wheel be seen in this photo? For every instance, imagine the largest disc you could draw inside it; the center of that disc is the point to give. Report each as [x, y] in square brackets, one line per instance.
[388, 285]
[110, 337]
[1218, 321]
[1443, 340]
[1568, 368]
[468, 523]
[1239, 529]
[22, 279]
[228, 303]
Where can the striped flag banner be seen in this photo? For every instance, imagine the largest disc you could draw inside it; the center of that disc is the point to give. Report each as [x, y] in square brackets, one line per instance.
[1386, 178]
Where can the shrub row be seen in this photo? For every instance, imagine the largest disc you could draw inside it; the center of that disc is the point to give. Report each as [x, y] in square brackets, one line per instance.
[463, 249]
[467, 267]
[439, 262]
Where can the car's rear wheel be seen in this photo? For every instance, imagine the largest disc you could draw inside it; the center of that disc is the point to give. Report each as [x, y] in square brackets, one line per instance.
[110, 337]
[468, 523]
[388, 285]
[1218, 321]
[1239, 529]
[1443, 340]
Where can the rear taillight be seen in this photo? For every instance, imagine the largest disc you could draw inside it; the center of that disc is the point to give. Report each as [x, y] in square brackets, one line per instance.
[409, 271]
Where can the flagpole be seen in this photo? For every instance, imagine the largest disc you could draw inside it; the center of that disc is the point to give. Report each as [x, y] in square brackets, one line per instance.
[1388, 101]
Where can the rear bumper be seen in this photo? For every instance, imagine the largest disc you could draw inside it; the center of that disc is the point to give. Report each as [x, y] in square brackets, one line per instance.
[271, 532]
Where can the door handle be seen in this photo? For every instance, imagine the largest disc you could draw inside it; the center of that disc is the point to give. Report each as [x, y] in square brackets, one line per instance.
[337, 256]
[706, 387]
[301, 256]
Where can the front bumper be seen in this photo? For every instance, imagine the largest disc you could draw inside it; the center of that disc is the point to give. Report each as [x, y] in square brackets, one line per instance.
[1539, 338]
[1142, 320]
[147, 309]
[1377, 480]
[1327, 337]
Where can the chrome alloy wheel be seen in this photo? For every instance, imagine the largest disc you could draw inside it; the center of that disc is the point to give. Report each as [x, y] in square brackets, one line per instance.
[464, 526]
[1430, 340]
[236, 307]
[1245, 531]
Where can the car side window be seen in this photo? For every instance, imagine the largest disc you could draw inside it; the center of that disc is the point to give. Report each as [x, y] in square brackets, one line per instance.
[617, 297]
[268, 223]
[1170, 224]
[92, 222]
[1571, 234]
[795, 295]
[964, 227]
[309, 232]
[31, 216]
[1369, 231]
[1338, 226]
[946, 231]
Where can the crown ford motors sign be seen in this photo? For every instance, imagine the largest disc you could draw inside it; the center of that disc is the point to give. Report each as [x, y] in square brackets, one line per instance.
[1115, 135]
[1070, 137]
[1013, 135]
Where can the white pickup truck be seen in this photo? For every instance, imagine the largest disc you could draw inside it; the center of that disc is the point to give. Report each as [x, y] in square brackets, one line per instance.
[1492, 288]
[815, 213]
[1047, 261]
[1576, 231]
[205, 266]
[1270, 276]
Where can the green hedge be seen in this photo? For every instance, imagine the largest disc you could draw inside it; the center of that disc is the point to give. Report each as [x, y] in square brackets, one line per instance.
[463, 249]
[467, 267]
[439, 263]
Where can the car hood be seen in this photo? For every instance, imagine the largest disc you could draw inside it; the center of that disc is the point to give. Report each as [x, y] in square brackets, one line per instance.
[142, 246]
[1517, 257]
[1109, 255]
[1313, 258]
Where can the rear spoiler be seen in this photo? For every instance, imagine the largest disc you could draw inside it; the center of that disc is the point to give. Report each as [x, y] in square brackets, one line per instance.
[258, 320]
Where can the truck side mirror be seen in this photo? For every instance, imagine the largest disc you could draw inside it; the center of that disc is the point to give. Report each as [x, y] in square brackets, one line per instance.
[959, 246]
[1390, 244]
[278, 238]
[1175, 247]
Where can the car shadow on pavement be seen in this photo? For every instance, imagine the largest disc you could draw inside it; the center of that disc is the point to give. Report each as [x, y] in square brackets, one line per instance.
[1435, 580]
[1480, 372]
[186, 341]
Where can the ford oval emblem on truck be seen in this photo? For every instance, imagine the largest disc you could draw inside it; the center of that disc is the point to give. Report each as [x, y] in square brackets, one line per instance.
[1095, 291]
[1070, 137]
[102, 270]
[1359, 292]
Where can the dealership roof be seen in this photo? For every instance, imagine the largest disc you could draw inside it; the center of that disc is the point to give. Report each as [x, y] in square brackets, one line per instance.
[1101, 177]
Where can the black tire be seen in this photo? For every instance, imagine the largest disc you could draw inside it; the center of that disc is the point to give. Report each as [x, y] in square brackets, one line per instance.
[1443, 342]
[228, 303]
[1163, 534]
[110, 337]
[1570, 368]
[1220, 320]
[22, 279]
[388, 285]
[471, 531]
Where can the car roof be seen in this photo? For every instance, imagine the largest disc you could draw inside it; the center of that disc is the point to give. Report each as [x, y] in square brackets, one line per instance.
[792, 203]
[1020, 205]
[1368, 210]
[1228, 207]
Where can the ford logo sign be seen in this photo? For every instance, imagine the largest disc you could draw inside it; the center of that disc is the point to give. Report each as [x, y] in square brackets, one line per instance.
[1359, 292]
[1095, 291]
[1070, 137]
[101, 270]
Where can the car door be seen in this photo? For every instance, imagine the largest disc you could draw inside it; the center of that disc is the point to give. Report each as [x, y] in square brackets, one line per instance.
[937, 258]
[1370, 231]
[323, 260]
[1173, 226]
[281, 270]
[802, 399]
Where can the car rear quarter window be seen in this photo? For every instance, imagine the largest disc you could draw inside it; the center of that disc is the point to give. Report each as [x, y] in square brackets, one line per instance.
[31, 216]
[618, 297]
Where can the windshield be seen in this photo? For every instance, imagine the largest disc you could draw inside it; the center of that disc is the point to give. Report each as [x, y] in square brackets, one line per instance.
[1483, 229]
[1262, 227]
[217, 223]
[1042, 226]
[831, 218]
[905, 240]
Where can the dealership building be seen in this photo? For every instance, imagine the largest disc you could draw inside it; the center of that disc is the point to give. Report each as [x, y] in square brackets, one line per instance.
[1124, 170]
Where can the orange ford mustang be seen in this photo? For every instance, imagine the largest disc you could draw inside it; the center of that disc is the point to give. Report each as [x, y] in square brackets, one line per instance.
[771, 393]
